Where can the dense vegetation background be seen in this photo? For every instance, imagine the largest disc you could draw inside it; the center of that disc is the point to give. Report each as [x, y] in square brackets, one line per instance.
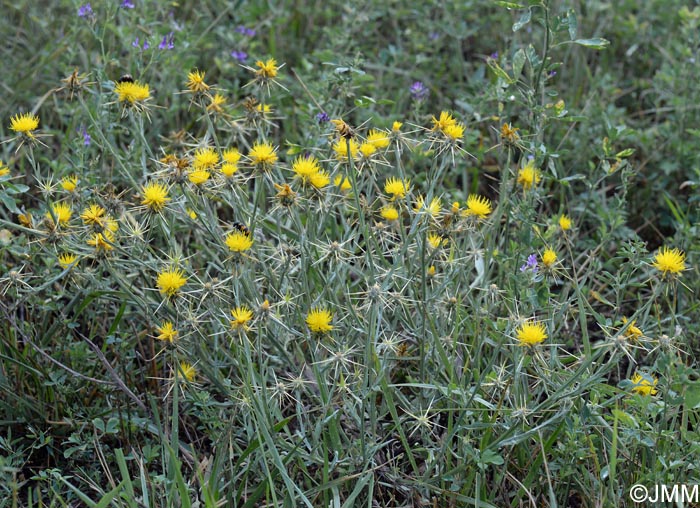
[371, 346]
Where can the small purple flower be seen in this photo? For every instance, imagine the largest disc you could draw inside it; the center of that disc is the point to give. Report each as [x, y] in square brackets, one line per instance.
[126, 4]
[531, 264]
[146, 45]
[168, 41]
[85, 10]
[323, 117]
[136, 43]
[86, 137]
[249, 32]
[494, 55]
[551, 74]
[241, 56]
[418, 91]
[433, 36]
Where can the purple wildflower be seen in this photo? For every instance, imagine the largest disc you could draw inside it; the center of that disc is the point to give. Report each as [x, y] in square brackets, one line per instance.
[433, 36]
[323, 117]
[249, 32]
[86, 137]
[85, 10]
[241, 56]
[168, 41]
[494, 55]
[135, 43]
[531, 264]
[126, 4]
[146, 45]
[418, 91]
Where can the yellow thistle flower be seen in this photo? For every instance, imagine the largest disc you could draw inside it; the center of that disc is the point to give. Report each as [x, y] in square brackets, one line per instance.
[267, 69]
[509, 134]
[340, 148]
[102, 241]
[195, 82]
[188, 371]
[564, 223]
[320, 179]
[155, 196]
[397, 187]
[132, 92]
[69, 183]
[396, 127]
[4, 170]
[231, 155]
[632, 332]
[549, 257]
[378, 139]
[94, 215]
[531, 333]
[263, 155]
[66, 259]
[166, 332]
[669, 262]
[454, 132]
[170, 281]
[238, 241]
[61, 212]
[478, 206]
[367, 150]
[529, 176]
[26, 124]
[389, 213]
[644, 384]
[432, 209]
[319, 320]
[304, 167]
[216, 104]
[343, 182]
[191, 213]
[446, 120]
[241, 316]
[198, 176]
[436, 241]
[205, 158]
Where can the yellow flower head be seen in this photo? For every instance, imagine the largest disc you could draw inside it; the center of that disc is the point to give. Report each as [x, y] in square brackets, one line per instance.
[216, 104]
[238, 241]
[198, 176]
[669, 262]
[320, 179]
[267, 69]
[4, 170]
[166, 332]
[644, 384]
[397, 187]
[170, 281]
[102, 241]
[94, 215]
[26, 124]
[367, 150]
[396, 127]
[304, 167]
[195, 82]
[69, 183]
[205, 158]
[343, 182]
[529, 176]
[340, 148]
[478, 206]
[319, 320]
[436, 241]
[389, 213]
[231, 155]
[188, 371]
[61, 212]
[155, 196]
[564, 223]
[432, 209]
[509, 134]
[132, 92]
[549, 257]
[531, 333]
[454, 132]
[241, 315]
[263, 155]
[66, 259]
[378, 139]
[445, 121]
[632, 332]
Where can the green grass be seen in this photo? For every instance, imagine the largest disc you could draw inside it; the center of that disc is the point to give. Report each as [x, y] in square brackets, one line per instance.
[419, 392]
